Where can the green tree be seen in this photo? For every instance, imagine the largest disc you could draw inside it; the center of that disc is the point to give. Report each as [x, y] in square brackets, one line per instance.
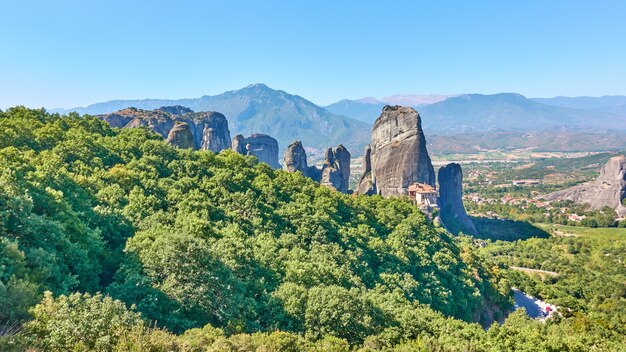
[80, 321]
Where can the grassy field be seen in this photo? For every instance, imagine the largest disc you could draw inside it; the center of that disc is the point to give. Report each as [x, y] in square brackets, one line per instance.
[606, 233]
[512, 155]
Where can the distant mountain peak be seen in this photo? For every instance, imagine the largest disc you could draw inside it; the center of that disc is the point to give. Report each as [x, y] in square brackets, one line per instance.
[259, 91]
[258, 108]
[257, 86]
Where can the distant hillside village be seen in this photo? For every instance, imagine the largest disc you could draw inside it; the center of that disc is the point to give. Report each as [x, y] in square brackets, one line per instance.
[594, 203]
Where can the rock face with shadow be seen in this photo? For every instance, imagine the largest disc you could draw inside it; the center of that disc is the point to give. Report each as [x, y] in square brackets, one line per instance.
[213, 129]
[239, 144]
[295, 159]
[608, 190]
[451, 209]
[366, 183]
[175, 109]
[181, 136]
[397, 154]
[335, 172]
[180, 126]
[262, 146]
[336, 169]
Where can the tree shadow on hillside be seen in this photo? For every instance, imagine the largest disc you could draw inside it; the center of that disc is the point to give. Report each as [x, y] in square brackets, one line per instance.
[506, 230]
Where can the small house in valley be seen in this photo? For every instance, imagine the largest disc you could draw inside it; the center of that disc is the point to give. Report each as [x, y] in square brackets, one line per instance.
[423, 194]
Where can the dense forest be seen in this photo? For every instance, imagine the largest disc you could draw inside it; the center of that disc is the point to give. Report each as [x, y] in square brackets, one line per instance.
[112, 240]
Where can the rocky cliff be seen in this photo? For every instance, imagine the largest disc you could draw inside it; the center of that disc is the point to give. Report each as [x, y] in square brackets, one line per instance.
[262, 146]
[608, 190]
[212, 127]
[175, 109]
[336, 169]
[398, 155]
[178, 125]
[335, 172]
[366, 183]
[295, 159]
[451, 209]
[239, 144]
[181, 136]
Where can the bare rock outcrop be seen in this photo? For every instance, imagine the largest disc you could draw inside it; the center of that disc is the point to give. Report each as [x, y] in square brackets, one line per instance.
[212, 131]
[262, 146]
[608, 190]
[155, 120]
[398, 155]
[239, 144]
[209, 130]
[295, 158]
[176, 109]
[452, 211]
[117, 119]
[366, 183]
[180, 136]
[336, 169]
[335, 172]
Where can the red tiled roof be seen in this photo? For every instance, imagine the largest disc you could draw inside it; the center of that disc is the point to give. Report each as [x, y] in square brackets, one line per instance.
[421, 188]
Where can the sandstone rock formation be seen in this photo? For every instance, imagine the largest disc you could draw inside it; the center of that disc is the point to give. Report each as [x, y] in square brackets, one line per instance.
[262, 146]
[336, 169]
[451, 208]
[398, 155]
[119, 119]
[608, 190]
[335, 172]
[175, 109]
[239, 144]
[295, 159]
[180, 136]
[366, 183]
[214, 128]
[209, 130]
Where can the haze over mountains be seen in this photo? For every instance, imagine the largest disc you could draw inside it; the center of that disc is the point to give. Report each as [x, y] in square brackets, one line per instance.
[260, 109]
[478, 112]
[615, 104]
[367, 109]
[475, 122]
[461, 123]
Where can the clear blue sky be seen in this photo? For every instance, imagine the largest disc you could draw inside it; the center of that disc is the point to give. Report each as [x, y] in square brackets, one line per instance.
[72, 53]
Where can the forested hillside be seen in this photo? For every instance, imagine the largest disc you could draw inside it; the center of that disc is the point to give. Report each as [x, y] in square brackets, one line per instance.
[591, 275]
[228, 254]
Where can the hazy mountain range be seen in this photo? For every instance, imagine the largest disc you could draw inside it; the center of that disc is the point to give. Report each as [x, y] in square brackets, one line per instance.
[615, 104]
[459, 123]
[600, 103]
[508, 111]
[260, 109]
[367, 109]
